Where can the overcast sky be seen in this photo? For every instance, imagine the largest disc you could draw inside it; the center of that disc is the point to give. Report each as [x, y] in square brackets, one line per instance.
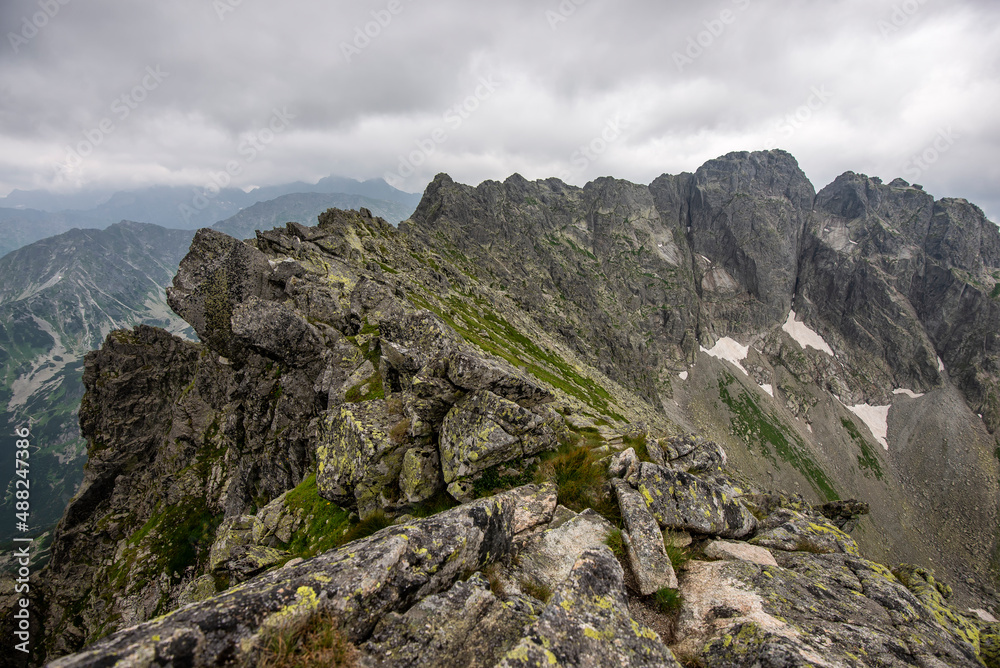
[125, 94]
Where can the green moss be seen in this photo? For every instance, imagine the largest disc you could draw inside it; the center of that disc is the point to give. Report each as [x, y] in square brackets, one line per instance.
[867, 461]
[324, 522]
[771, 437]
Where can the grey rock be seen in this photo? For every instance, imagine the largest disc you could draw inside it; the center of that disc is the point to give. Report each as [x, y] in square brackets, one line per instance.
[548, 559]
[587, 623]
[483, 430]
[646, 552]
[465, 627]
[789, 530]
[358, 584]
[681, 500]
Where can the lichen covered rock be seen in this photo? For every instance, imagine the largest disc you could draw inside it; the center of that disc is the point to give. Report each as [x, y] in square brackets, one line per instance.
[646, 552]
[680, 500]
[792, 531]
[587, 623]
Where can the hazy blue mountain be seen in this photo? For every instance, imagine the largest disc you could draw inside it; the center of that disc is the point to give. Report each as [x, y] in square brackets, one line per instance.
[304, 208]
[59, 298]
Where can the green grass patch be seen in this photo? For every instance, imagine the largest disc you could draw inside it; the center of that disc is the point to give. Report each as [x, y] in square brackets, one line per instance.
[668, 601]
[867, 460]
[638, 443]
[491, 481]
[373, 523]
[367, 390]
[542, 592]
[616, 541]
[995, 293]
[770, 436]
[679, 556]
[317, 641]
[580, 479]
[324, 522]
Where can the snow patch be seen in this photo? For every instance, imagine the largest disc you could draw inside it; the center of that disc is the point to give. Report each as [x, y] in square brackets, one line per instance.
[768, 389]
[809, 428]
[910, 393]
[731, 351]
[940, 365]
[877, 420]
[684, 375]
[805, 336]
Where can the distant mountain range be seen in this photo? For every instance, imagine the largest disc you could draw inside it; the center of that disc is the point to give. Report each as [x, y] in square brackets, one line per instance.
[60, 296]
[27, 216]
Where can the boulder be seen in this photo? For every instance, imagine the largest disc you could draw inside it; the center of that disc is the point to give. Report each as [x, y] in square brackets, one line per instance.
[735, 551]
[788, 530]
[692, 454]
[548, 559]
[420, 477]
[624, 464]
[843, 514]
[483, 430]
[465, 627]
[357, 585]
[277, 331]
[357, 461]
[647, 555]
[217, 274]
[587, 623]
[819, 610]
[475, 372]
[680, 500]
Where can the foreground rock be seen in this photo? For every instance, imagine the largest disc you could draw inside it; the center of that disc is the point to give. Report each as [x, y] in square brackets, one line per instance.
[684, 501]
[646, 552]
[818, 610]
[358, 584]
[587, 623]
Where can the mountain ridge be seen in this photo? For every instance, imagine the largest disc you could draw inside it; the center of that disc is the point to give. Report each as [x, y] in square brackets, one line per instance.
[378, 369]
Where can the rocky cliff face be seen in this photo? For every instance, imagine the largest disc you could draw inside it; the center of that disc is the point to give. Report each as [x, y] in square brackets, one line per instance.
[351, 376]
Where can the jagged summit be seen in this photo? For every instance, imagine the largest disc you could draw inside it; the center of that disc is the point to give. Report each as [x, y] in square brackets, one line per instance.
[661, 358]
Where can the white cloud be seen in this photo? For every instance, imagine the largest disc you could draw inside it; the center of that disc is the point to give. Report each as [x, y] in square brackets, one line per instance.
[890, 94]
